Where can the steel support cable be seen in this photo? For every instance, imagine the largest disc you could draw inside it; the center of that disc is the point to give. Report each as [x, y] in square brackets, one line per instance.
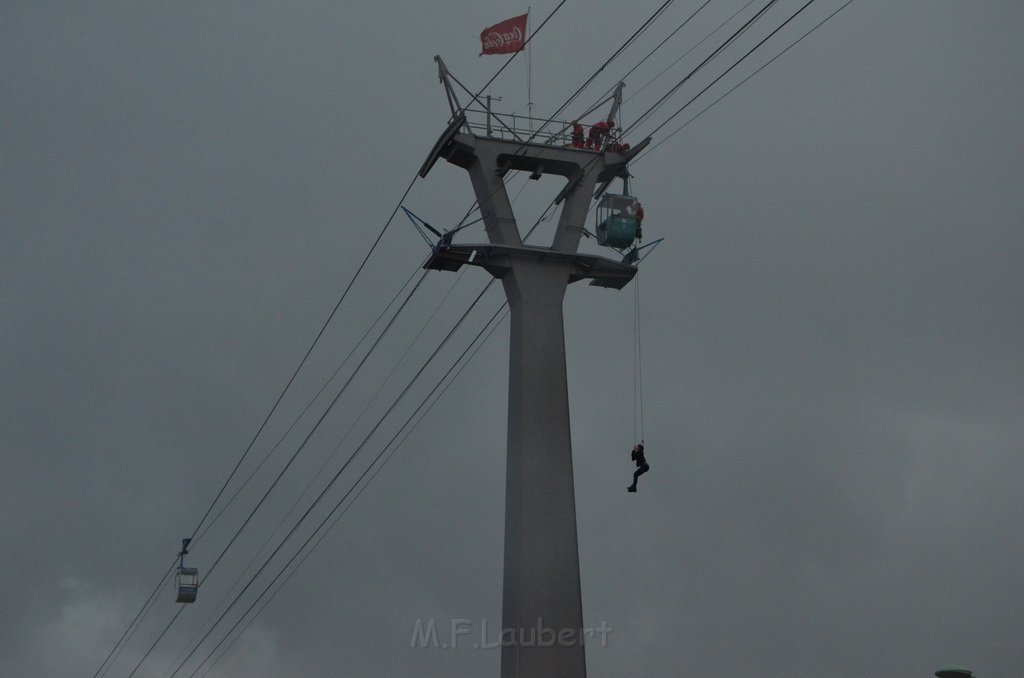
[606, 95]
[344, 466]
[737, 63]
[718, 50]
[689, 51]
[329, 458]
[741, 82]
[638, 356]
[503, 307]
[667, 38]
[157, 641]
[319, 421]
[461, 225]
[298, 418]
[629, 41]
[141, 614]
[309, 404]
[380, 389]
[419, 414]
[115, 651]
[309, 351]
[356, 452]
[302, 445]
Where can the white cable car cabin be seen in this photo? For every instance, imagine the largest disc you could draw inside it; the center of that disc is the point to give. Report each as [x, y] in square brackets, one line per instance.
[188, 584]
[618, 220]
[187, 579]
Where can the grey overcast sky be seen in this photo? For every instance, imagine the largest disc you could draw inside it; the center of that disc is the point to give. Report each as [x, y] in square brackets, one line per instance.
[832, 338]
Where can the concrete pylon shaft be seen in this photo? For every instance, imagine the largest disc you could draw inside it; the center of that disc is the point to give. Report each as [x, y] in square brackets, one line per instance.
[542, 606]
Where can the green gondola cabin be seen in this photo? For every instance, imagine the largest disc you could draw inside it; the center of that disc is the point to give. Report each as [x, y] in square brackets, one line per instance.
[618, 220]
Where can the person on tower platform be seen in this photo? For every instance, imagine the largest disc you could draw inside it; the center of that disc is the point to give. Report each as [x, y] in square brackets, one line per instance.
[577, 134]
[642, 467]
[598, 133]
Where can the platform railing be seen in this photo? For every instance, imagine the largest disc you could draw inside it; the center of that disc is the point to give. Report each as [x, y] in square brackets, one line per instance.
[524, 128]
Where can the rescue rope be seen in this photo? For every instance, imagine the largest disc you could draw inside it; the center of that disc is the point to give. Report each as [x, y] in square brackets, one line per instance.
[638, 365]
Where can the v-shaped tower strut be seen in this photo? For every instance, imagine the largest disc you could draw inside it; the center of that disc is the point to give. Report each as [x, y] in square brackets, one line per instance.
[542, 610]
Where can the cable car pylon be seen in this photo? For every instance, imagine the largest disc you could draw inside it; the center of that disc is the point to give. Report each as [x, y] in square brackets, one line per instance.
[541, 597]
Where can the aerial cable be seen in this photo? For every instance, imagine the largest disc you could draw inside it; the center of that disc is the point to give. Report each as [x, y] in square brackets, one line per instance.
[721, 48]
[309, 351]
[302, 445]
[115, 651]
[143, 610]
[319, 421]
[741, 82]
[728, 70]
[629, 41]
[463, 223]
[294, 423]
[337, 448]
[421, 412]
[607, 94]
[369, 401]
[344, 466]
[625, 45]
[277, 402]
[312, 400]
[459, 227]
[689, 51]
[155, 642]
[667, 38]
[128, 632]
[354, 454]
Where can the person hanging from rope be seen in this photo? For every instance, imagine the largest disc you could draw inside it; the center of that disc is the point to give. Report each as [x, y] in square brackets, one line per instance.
[642, 467]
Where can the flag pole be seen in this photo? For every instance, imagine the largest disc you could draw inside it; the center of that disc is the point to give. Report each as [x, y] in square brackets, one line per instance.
[529, 71]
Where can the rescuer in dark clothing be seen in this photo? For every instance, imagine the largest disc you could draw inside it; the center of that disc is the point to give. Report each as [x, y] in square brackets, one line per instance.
[642, 466]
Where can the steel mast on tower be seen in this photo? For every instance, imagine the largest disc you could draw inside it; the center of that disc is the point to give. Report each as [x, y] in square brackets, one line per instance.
[541, 599]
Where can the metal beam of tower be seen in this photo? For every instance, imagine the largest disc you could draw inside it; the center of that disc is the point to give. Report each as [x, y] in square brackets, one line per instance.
[541, 598]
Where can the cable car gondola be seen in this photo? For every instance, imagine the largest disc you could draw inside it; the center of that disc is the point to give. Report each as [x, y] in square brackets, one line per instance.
[187, 578]
[618, 220]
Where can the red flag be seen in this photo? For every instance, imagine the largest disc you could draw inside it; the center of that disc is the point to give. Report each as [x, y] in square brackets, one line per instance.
[505, 38]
